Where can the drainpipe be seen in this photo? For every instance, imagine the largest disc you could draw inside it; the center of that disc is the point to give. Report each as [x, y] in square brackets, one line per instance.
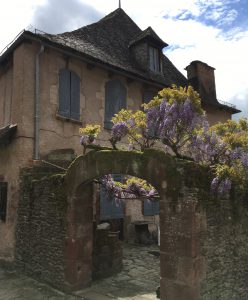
[37, 105]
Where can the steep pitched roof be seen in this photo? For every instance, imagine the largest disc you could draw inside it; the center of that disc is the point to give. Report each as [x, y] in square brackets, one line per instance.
[107, 41]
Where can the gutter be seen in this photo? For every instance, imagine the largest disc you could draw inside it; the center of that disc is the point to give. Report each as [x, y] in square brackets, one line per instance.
[37, 105]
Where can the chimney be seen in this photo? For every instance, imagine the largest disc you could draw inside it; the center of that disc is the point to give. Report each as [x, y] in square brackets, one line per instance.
[201, 78]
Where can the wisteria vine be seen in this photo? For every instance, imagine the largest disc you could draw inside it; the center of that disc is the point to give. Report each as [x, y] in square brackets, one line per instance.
[175, 118]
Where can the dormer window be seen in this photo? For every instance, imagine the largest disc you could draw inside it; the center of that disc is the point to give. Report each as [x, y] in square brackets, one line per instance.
[154, 59]
[147, 48]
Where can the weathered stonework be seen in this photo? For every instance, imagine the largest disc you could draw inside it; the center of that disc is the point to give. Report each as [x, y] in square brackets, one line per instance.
[225, 250]
[41, 228]
[203, 252]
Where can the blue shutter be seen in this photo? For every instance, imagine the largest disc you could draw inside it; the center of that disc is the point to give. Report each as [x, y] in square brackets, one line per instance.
[75, 96]
[64, 93]
[148, 95]
[109, 208]
[151, 208]
[3, 200]
[115, 100]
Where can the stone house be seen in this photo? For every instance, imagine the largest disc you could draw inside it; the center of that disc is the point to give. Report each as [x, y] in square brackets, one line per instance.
[51, 84]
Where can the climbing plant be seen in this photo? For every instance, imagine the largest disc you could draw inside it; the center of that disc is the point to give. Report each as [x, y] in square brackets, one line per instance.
[175, 121]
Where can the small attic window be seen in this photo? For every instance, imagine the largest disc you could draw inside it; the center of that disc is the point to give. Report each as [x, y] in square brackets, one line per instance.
[154, 59]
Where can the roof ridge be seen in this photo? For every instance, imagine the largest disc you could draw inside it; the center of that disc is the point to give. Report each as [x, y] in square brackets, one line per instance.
[112, 15]
[149, 31]
[118, 11]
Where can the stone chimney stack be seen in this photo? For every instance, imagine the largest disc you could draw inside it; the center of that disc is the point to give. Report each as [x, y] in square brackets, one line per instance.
[201, 78]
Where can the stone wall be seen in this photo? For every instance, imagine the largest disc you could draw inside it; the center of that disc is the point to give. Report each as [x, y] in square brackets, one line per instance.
[40, 229]
[41, 243]
[134, 213]
[203, 253]
[225, 249]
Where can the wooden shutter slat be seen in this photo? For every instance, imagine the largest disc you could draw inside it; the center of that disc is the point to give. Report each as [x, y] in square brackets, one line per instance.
[64, 93]
[75, 96]
[115, 100]
[151, 208]
[109, 208]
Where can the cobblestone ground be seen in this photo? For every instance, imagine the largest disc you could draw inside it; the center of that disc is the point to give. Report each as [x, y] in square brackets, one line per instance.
[137, 281]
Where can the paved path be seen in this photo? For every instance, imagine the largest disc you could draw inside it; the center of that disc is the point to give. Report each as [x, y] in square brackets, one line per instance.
[137, 281]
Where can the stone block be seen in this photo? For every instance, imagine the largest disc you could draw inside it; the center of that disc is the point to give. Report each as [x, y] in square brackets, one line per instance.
[179, 244]
[170, 290]
[168, 266]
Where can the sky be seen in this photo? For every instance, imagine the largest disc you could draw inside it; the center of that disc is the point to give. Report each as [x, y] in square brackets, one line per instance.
[213, 31]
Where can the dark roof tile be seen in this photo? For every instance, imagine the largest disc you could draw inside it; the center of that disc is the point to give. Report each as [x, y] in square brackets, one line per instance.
[107, 41]
[149, 34]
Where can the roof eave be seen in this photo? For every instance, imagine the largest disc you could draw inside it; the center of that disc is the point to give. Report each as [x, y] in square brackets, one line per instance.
[88, 59]
[28, 35]
[233, 110]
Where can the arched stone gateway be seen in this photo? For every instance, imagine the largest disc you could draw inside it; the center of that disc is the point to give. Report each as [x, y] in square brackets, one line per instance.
[179, 225]
[203, 252]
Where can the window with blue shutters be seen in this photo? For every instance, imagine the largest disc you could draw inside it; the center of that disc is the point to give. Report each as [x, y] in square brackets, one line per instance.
[115, 100]
[150, 208]
[69, 94]
[109, 208]
[3, 200]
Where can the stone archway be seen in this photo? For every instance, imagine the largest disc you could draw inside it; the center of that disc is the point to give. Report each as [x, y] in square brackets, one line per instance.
[180, 258]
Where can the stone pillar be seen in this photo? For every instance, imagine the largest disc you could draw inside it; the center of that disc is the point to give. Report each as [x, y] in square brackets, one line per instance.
[182, 265]
[79, 240]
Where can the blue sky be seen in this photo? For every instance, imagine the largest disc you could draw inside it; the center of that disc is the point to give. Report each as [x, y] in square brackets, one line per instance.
[214, 31]
[224, 15]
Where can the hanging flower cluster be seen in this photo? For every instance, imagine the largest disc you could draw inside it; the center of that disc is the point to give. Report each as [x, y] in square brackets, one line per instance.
[130, 188]
[89, 135]
[175, 118]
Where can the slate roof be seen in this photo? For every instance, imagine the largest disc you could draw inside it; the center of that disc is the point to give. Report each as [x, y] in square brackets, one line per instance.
[108, 40]
[107, 43]
[149, 34]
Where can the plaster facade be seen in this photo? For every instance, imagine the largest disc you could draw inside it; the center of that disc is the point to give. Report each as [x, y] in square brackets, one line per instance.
[17, 106]
[17, 103]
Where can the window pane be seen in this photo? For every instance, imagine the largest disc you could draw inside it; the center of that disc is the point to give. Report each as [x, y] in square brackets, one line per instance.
[151, 58]
[154, 59]
[3, 200]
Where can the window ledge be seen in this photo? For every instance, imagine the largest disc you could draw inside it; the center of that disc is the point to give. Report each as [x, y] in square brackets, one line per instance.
[59, 117]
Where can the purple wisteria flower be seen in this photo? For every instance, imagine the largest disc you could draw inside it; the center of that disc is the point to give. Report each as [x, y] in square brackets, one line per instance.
[209, 148]
[244, 160]
[174, 123]
[224, 186]
[214, 184]
[119, 130]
